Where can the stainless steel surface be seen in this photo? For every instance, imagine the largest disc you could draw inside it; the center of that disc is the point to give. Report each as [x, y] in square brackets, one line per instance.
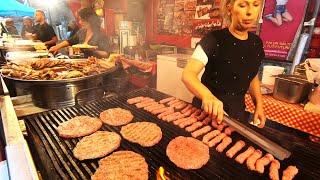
[59, 95]
[47, 82]
[291, 88]
[20, 162]
[51, 94]
[269, 146]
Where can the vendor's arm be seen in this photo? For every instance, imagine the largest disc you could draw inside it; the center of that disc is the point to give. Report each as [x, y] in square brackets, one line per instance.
[55, 49]
[101, 54]
[53, 40]
[210, 104]
[254, 90]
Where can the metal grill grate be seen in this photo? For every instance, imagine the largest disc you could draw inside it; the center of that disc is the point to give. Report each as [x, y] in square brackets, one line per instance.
[43, 125]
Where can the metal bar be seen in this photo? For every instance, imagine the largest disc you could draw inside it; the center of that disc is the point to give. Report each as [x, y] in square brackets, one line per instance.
[65, 164]
[271, 147]
[16, 146]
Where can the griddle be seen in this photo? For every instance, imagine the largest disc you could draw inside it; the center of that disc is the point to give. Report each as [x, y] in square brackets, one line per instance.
[54, 159]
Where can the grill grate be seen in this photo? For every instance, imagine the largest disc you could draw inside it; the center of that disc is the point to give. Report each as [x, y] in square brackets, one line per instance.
[304, 154]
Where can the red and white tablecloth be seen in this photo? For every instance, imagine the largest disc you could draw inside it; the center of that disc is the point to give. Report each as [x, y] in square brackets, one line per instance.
[292, 115]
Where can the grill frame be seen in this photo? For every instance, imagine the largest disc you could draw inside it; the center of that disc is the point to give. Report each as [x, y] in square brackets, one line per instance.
[304, 154]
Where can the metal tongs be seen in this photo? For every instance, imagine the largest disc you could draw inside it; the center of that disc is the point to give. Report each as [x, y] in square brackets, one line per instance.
[266, 144]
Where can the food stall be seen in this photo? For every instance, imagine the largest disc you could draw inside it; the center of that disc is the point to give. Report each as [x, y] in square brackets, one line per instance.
[73, 124]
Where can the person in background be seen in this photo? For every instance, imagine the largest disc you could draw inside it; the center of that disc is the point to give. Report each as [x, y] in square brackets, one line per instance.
[231, 58]
[72, 28]
[12, 30]
[90, 34]
[27, 29]
[280, 14]
[43, 31]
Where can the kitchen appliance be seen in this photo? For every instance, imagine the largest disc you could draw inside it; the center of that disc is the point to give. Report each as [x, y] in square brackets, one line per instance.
[291, 88]
[169, 74]
[54, 160]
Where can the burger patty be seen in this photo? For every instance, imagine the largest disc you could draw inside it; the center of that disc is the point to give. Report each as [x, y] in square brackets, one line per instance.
[97, 145]
[146, 134]
[79, 126]
[187, 152]
[122, 165]
[116, 116]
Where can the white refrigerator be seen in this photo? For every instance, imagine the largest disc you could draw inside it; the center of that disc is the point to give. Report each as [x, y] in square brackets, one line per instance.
[169, 76]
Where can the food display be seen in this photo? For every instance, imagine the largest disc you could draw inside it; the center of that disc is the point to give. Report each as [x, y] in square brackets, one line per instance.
[79, 126]
[97, 145]
[56, 69]
[84, 46]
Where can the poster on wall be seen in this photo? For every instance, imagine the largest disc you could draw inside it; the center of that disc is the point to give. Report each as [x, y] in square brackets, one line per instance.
[207, 17]
[281, 20]
[165, 16]
[203, 27]
[183, 16]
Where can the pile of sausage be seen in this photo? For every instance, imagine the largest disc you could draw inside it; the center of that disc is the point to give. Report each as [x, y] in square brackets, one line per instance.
[199, 124]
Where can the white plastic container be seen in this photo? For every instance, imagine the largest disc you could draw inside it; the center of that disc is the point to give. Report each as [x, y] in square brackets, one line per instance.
[269, 73]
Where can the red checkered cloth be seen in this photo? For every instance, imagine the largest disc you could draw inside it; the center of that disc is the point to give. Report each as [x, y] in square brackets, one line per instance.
[292, 115]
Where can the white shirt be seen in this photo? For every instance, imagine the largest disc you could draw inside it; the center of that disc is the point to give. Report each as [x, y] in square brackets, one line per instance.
[282, 2]
[200, 55]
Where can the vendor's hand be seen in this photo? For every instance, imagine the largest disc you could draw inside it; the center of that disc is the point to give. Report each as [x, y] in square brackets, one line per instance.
[259, 116]
[54, 49]
[214, 107]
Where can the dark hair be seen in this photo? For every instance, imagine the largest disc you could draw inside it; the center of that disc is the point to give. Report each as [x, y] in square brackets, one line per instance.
[90, 16]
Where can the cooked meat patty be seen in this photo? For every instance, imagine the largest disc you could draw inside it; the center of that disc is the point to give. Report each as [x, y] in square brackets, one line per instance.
[146, 134]
[97, 145]
[116, 116]
[188, 153]
[79, 126]
[122, 165]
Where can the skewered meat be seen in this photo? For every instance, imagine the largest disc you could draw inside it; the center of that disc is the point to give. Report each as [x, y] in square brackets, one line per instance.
[166, 100]
[216, 139]
[224, 144]
[169, 111]
[289, 173]
[229, 130]
[194, 126]
[201, 131]
[206, 138]
[244, 156]
[235, 148]
[251, 161]
[264, 161]
[274, 170]
[184, 110]
[187, 122]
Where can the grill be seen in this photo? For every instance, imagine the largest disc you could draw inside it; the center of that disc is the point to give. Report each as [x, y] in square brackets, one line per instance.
[54, 159]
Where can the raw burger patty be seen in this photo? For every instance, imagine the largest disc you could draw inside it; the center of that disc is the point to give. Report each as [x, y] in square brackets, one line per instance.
[97, 145]
[187, 152]
[79, 126]
[126, 165]
[116, 116]
[146, 134]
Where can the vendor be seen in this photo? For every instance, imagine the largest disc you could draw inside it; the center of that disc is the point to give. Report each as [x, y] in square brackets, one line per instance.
[12, 30]
[43, 31]
[28, 28]
[231, 58]
[90, 34]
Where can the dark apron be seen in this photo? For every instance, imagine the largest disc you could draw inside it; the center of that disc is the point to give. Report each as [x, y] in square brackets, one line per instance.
[234, 106]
